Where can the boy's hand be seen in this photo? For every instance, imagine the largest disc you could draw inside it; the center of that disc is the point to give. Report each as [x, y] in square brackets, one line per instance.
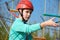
[49, 23]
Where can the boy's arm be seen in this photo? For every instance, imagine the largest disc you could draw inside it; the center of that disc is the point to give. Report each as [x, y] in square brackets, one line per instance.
[21, 27]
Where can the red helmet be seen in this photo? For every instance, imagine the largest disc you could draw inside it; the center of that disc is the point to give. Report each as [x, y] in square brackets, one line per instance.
[24, 4]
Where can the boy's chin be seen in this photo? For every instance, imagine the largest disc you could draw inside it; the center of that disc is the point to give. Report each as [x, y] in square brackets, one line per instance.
[26, 19]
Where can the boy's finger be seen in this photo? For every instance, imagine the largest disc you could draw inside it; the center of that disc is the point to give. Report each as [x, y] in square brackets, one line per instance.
[52, 18]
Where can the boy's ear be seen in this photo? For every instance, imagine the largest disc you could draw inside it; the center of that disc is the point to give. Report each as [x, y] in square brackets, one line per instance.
[20, 11]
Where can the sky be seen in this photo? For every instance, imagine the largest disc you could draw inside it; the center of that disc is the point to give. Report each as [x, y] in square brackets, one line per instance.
[39, 7]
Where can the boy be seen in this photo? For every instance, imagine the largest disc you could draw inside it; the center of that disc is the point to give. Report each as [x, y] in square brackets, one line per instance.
[20, 30]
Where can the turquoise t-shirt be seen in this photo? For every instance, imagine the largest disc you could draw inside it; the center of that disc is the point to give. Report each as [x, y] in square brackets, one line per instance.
[19, 30]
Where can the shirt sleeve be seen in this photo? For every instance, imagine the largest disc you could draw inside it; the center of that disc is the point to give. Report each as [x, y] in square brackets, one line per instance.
[33, 28]
[26, 28]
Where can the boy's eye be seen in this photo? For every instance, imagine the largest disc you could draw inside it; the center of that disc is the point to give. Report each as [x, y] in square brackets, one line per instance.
[27, 11]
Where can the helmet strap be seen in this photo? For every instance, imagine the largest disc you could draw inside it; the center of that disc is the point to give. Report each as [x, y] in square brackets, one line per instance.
[21, 13]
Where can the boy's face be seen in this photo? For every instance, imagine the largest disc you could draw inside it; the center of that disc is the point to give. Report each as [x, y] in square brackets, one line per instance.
[26, 14]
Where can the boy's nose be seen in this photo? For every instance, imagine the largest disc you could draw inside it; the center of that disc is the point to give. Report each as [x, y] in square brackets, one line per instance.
[28, 14]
